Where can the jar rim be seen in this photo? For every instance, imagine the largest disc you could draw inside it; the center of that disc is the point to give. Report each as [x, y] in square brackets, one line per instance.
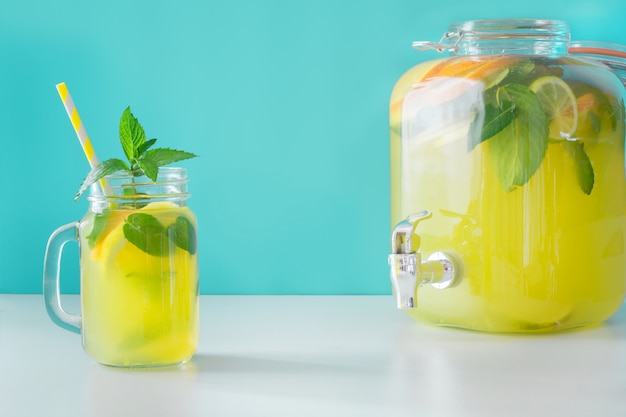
[511, 25]
[171, 183]
[499, 36]
[164, 172]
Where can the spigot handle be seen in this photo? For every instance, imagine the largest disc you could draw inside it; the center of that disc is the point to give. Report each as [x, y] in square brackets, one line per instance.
[402, 235]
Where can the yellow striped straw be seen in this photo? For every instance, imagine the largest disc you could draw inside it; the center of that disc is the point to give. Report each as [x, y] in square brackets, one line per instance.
[81, 133]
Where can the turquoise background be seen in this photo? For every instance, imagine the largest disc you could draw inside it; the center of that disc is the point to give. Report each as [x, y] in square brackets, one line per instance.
[285, 101]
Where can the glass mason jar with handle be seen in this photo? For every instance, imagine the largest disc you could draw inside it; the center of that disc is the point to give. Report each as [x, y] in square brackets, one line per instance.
[138, 272]
[509, 153]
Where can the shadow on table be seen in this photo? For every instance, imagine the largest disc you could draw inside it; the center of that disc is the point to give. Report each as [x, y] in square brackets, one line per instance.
[227, 379]
[239, 364]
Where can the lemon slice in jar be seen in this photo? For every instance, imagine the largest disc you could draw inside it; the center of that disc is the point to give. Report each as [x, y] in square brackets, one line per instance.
[559, 103]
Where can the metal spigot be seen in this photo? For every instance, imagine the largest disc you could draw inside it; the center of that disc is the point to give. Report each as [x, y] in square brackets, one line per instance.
[408, 272]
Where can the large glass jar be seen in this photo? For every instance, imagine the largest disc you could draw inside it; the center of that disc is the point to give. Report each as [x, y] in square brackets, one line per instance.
[513, 152]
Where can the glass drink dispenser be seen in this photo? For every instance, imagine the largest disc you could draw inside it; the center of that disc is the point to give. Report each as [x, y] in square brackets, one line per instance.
[508, 187]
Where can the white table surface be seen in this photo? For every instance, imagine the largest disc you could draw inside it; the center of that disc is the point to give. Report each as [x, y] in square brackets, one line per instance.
[316, 356]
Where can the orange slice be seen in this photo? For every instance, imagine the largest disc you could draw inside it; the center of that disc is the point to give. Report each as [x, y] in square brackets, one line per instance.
[489, 70]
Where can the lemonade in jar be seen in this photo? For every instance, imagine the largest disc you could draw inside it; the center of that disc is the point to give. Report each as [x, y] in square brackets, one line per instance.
[517, 151]
[139, 273]
[138, 250]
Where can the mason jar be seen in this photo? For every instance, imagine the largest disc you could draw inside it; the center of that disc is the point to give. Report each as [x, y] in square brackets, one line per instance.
[138, 271]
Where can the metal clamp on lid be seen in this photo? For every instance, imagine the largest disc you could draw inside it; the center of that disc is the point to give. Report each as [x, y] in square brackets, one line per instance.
[448, 42]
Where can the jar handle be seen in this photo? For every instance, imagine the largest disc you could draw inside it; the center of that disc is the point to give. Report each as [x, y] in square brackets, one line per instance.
[51, 283]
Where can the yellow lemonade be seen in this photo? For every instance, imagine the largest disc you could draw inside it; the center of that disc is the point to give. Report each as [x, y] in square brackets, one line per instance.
[139, 303]
[538, 232]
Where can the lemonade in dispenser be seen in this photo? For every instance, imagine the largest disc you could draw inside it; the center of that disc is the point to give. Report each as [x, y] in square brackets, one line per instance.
[508, 186]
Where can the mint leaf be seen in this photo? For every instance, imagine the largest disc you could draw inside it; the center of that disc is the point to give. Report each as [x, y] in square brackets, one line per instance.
[132, 135]
[108, 167]
[519, 149]
[147, 233]
[164, 156]
[99, 223]
[184, 235]
[496, 119]
[594, 118]
[145, 146]
[149, 168]
[584, 169]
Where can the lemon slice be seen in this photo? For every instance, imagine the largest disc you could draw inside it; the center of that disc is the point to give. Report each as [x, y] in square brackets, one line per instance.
[559, 104]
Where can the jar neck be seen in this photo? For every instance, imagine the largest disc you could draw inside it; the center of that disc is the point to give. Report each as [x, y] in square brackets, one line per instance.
[512, 36]
[124, 191]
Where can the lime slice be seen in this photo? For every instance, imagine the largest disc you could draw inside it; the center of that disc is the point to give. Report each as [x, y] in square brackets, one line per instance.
[559, 104]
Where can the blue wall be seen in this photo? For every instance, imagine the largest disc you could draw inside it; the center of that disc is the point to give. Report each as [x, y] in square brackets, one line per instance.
[285, 101]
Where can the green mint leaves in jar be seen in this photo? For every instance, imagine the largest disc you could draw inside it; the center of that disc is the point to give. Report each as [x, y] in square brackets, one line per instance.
[528, 105]
[148, 234]
[520, 145]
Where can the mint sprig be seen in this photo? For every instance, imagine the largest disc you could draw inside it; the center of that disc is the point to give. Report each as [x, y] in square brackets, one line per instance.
[517, 130]
[141, 160]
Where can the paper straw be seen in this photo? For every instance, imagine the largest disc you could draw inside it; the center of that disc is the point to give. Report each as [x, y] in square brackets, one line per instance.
[81, 133]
